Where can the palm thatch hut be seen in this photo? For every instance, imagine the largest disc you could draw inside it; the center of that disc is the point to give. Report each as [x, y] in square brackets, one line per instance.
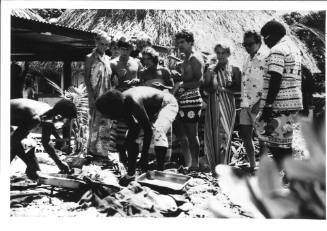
[209, 26]
[27, 14]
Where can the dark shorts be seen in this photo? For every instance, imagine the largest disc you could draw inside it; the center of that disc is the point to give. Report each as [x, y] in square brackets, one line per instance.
[190, 104]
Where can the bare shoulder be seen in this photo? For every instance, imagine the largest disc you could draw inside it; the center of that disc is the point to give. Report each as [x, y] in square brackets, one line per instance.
[196, 57]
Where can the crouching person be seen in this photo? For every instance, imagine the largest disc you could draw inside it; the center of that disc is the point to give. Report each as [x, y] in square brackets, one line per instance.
[141, 108]
[27, 114]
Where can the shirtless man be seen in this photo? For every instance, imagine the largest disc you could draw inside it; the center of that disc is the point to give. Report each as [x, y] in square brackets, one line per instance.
[124, 72]
[189, 99]
[153, 73]
[27, 114]
[144, 108]
[125, 68]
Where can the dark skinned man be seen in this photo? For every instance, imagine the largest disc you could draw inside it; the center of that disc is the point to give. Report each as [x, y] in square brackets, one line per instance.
[144, 108]
[27, 114]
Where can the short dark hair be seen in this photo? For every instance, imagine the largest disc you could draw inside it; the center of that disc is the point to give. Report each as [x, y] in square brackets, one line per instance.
[252, 33]
[110, 104]
[65, 108]
[273, 28]
[152, 53]
[124, 42]
[185, 34]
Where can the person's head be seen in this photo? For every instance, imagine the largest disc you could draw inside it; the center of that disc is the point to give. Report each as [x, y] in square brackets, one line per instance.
[223, 51]
[272, 32]
[125, 47]
[251, 42]
[143, 41]
[102, 41]
[65, 108]
[150, 57]
[111, 104]
[184, 40]
[114, 49]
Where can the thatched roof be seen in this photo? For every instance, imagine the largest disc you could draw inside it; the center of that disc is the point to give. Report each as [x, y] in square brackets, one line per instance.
[209, 27]
[27, 14]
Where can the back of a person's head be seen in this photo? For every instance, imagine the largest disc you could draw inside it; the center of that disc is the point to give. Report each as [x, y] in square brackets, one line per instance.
[273, 28]
[65, 108]
[110, 104]
[124, 42]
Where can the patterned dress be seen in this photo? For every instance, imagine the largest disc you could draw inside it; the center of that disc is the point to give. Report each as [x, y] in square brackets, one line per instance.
[285, 59]
[99, 127]
[219, 119]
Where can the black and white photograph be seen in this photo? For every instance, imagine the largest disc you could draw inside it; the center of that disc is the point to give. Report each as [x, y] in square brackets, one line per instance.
[146, 110]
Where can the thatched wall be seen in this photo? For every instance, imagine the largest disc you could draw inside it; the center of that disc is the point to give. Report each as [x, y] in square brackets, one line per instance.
[209, 27]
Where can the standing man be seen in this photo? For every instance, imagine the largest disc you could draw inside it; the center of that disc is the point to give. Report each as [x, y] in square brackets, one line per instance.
[189, 99]
[281, 98]
[251, 91]
[125, 69]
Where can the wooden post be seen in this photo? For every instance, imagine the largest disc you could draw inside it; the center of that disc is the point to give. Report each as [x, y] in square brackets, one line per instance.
[67, 83]
[67, 74]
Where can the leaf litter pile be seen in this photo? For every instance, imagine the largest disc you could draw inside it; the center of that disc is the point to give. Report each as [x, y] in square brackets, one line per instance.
[233, 193]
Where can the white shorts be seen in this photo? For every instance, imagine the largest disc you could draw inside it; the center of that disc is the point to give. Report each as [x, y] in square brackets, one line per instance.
[164, 120]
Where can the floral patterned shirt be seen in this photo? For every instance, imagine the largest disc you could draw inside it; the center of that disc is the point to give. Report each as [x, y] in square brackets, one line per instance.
[252, 79]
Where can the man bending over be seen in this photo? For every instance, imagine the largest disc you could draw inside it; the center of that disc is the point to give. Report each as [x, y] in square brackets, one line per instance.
[27, 114]
[141, 108]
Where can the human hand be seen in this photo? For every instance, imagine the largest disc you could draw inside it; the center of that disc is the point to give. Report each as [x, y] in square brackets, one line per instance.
[132, 82]
[176, 87]
[175, 73]
[64, 168]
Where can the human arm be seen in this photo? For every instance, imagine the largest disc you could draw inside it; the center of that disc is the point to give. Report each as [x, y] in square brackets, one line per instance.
[137, 110]
[236, 79]
[168, 80]
[275, 70]
[47, 129]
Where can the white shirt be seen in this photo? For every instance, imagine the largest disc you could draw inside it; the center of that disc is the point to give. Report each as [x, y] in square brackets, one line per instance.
[252, 78]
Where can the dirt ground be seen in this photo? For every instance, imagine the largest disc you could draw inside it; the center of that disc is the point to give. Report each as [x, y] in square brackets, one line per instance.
[29, 199]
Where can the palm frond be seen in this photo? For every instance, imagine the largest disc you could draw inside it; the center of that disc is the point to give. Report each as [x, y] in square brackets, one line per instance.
[317, 33]
[55, 86]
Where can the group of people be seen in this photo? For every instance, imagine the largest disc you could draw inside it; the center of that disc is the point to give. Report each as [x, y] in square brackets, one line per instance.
[137, 94]
[130, 92]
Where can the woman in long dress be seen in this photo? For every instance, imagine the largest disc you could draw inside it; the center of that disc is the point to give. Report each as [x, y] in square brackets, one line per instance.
[98, 81]
[222, 81]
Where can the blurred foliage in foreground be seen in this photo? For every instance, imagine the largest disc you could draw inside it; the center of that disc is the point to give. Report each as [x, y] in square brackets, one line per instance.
[265, 195]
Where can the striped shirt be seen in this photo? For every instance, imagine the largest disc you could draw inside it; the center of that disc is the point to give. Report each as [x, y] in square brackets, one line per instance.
[285, 59]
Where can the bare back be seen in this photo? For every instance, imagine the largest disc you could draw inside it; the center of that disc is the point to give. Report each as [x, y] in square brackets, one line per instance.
[148, 97]
[26, 111]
